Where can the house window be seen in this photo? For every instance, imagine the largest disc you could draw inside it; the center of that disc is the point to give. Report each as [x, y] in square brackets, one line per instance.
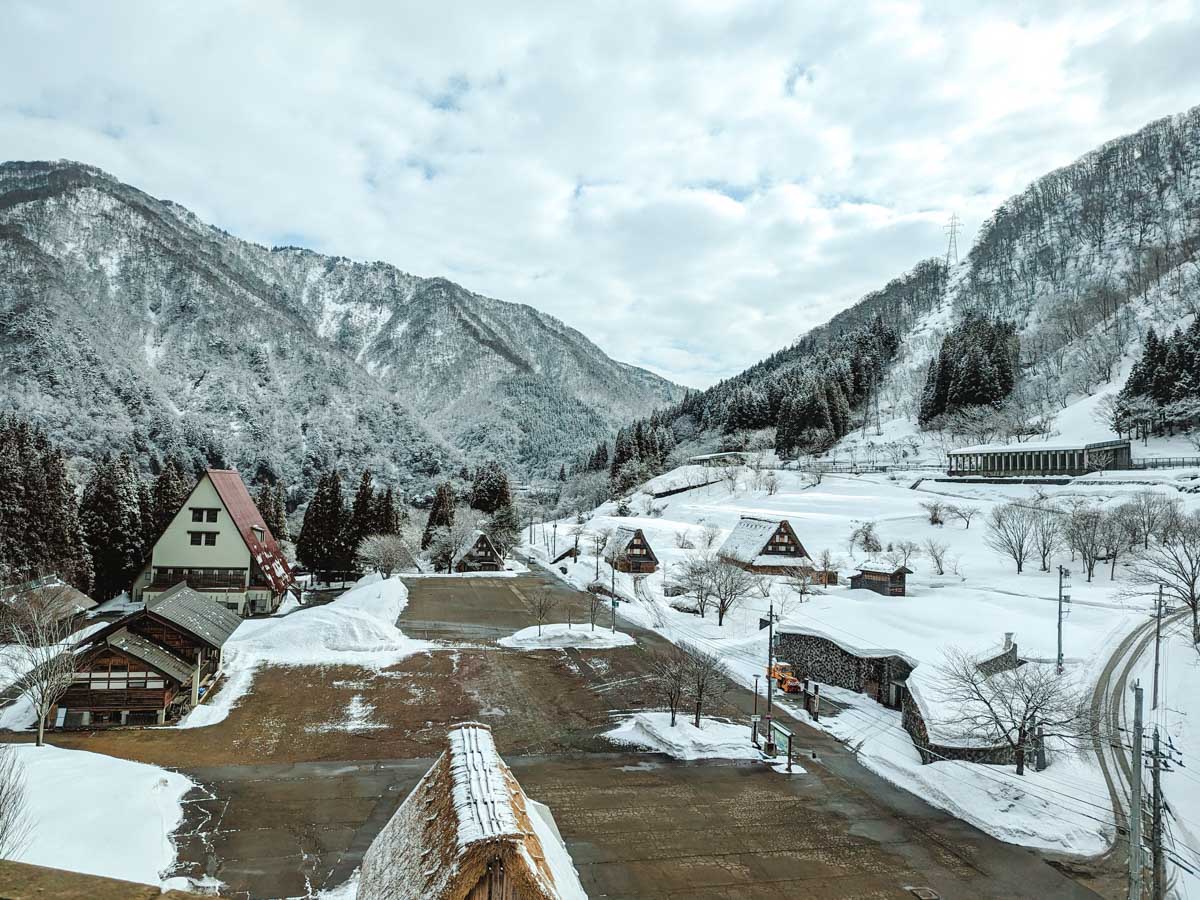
[204, 514]
[210, 539]
[207, 538]
[197, 515]
[259, 533]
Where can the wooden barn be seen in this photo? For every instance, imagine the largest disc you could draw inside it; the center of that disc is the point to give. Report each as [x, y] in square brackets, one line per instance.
[63, 601]
[469, 832]
[150, 665]
[477, 553]
[765, 547]
[881, 577]
[629, 551]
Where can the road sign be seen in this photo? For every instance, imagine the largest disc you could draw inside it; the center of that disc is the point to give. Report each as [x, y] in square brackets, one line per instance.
[764, 623]
[756, 718]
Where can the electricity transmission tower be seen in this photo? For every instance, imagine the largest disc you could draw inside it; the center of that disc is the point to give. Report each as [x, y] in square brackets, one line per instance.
[952, 228]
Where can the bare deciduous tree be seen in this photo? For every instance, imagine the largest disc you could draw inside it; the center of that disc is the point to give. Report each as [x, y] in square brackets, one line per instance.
[541, 603]
[694, 576]
[964, 514]
[1149, 509]
[670, 671]
[936, 551]
[1008, 707]
[1085, 535]
[801, 583]
[1173, 560]
[1010, 532]
[730, 585]
[772, 483]
[386, 553]
[596, 602]
[39, 658]
[1047, 535]
[15, 824]
[709, 536]
[901, 552]
[936, 510]
[599, 540]
[708, 679]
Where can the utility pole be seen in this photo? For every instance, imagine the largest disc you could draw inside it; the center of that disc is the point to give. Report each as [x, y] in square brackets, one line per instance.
[1135, 800]
[951, 229]
[1158, 613]
[554, 551]
[1063, 572]
[1158, 883]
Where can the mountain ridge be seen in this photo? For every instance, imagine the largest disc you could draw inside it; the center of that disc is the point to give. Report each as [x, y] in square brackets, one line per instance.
[296, 340]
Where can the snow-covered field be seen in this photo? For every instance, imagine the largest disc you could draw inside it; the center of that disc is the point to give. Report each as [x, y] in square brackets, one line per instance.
[971, 608]
[96, 814]
[358, 629]
[713, 739]
[560, 636]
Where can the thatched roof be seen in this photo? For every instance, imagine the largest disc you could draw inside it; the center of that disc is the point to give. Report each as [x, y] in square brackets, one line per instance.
[747, 544]
[466, 814]
[468, 545]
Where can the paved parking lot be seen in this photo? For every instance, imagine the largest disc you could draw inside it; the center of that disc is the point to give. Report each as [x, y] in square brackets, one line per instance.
[638, 825]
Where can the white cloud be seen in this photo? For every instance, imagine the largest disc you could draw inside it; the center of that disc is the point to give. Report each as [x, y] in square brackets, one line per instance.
[692, 185]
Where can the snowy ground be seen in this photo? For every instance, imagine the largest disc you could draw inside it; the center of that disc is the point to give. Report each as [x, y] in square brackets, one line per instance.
[358, 628]
[972, 607]
[713, 739]
[560, 636]
[100, 815]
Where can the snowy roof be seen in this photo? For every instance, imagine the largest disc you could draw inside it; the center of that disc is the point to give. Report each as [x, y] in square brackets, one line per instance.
[66, 598]
[882, 567]
[151, 654]
[861, 652]
[467, 811]
[621, 539]
[468, 544]
[749, 538]
[193, 612]
[245, 515]
[1031, 446]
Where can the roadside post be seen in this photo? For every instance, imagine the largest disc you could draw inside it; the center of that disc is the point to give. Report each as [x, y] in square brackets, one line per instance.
[756, 698]
[754, 720]
[1063, 573]
[782, 735]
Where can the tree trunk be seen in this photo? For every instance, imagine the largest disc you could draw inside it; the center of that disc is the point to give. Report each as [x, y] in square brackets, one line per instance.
[672, 715]
[698, 713]
[1196, 623]
[41, 735]
[720, 616]
[1021, 751]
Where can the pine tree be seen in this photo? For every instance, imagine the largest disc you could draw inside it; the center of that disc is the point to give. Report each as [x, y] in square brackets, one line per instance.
[272, 508]
[441, 513]
[362, 521]
[322, 544]
[171, 490]
[489, 489]
[110, 516]
[387, 519]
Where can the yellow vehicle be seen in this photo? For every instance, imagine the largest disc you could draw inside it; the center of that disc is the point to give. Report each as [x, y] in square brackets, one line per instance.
[785, 679]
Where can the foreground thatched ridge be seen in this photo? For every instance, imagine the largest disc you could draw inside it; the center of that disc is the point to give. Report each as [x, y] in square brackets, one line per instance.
[466, 820]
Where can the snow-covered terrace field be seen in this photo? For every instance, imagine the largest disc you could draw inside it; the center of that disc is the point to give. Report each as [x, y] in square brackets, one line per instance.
[970, 608]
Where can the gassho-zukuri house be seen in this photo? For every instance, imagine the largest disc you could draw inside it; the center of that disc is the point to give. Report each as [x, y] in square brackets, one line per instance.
[150, 666]
[477, 553]
[1039, 459]
[895, 680]
[629, 551]
[220, 546]
[765, 547]
[469, 832]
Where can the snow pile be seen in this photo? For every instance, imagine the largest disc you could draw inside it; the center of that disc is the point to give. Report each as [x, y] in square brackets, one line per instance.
[100, 815]
[714, 738]
[560, 636]
[356, 629]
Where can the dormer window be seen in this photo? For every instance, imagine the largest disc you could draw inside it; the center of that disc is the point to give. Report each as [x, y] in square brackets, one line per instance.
[259, 533]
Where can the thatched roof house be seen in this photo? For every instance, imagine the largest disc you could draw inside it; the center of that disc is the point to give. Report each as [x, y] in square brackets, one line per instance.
[766, 547]
[467, 831]
[477, 553]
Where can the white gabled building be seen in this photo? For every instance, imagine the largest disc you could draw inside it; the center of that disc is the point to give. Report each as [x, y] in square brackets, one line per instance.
[220, 546]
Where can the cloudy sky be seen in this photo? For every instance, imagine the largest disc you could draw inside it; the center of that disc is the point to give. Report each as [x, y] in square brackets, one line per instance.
[692, 185]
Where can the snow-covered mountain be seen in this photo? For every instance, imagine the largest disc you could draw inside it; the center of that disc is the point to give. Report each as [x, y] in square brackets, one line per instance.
[127, 323]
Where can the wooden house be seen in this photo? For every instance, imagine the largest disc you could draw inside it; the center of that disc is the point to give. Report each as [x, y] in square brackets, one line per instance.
[469, 832]
[150, 665]
[629, 551]
[477, 553]
[62, 600]
[766, 547]
[881, 577]
[219, 544]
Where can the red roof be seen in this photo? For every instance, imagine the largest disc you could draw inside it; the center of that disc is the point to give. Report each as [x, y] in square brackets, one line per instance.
[246, 516]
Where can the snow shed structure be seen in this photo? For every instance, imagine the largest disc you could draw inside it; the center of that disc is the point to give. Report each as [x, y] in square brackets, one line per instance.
[468, 832]
[220, 546]
[629, 551]
[477, 553]
[148, 666]
[765, 547]
[882, 578]
[1040, 459]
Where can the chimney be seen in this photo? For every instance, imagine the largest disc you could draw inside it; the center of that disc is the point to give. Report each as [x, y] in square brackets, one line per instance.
[1008, 640]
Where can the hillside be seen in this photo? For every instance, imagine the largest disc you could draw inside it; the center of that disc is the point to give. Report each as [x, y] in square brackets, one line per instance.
[1081, 265]
[127, 323]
